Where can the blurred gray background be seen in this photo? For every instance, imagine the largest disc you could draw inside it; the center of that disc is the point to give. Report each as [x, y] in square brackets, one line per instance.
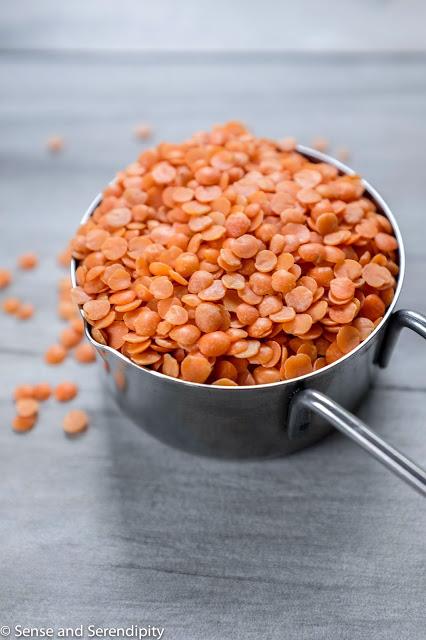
[242, 25]
[115, 528]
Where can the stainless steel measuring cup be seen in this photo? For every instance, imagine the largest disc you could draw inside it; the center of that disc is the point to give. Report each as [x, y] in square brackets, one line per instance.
[272, 419]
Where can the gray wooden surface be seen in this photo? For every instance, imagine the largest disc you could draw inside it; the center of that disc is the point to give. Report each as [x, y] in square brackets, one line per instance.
[239, 25]
[115, 528]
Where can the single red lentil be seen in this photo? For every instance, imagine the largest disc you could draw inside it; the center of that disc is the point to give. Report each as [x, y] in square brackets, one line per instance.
[27, 261]
[11, 305]
[22, 424]
[320, 144]
[55, 144]
[143, 131]
[25, 311]
[75, 422]
[342, 154]
[70, 337]
[85, 353]
[55, 354]
[5, 278]
[42, 391]
[26, 407]
[24, 391]
[65, 391]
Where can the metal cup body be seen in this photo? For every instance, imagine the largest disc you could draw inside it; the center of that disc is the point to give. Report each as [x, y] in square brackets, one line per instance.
[229, 421]
[241, 422]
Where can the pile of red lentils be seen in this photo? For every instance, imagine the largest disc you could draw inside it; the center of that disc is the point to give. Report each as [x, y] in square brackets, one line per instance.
[234, 260]
[28, 397]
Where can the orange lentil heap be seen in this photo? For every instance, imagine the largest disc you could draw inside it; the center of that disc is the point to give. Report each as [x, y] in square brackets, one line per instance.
[233, 260]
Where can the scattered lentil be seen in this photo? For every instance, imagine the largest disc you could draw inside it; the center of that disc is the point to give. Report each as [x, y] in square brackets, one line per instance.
[22, 424]
[85, 353]
[23, 391]
[27, 261]
[11, 305]
[70, 337]
[342, 154]
[75, 422]
[26, 407]
[42, 391]
[143, 131]
[55, 144]
[55, 354]
[320, 144]
[65, 391]
[5, 278]
[25, 311]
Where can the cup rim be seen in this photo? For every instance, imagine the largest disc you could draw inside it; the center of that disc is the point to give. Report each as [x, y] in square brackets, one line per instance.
[318, 156]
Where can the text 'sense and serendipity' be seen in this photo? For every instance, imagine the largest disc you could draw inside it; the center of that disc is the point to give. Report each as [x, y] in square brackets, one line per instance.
[135, 631]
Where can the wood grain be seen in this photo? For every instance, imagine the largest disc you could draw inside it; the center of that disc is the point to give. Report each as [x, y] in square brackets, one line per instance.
[115, 528]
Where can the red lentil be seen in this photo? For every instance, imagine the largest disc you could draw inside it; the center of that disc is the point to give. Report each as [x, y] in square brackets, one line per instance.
[232, 260]
[24, 391]
[55, 354]
[143, 131]
[28, 261]
[342, 154]
[55, 144]
[70, 337]
[42, 391]
[25, 311]
[26, 407]
[320, 143]
[85, 353]
[65, 391]
[22, 424]
[5, 278]
[11, 305]
[75, 422]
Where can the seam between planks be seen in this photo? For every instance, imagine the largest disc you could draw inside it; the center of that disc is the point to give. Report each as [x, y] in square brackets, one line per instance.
[196, 57]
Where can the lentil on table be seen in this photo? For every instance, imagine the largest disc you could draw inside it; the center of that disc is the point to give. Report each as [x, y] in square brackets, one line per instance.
[234, 260]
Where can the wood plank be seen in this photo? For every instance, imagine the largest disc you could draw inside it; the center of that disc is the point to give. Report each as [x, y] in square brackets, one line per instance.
[324, 544]
[115, 527]
[218, 26]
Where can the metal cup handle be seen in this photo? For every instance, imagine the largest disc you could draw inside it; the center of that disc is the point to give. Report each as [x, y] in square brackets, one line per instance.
[310, 401]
